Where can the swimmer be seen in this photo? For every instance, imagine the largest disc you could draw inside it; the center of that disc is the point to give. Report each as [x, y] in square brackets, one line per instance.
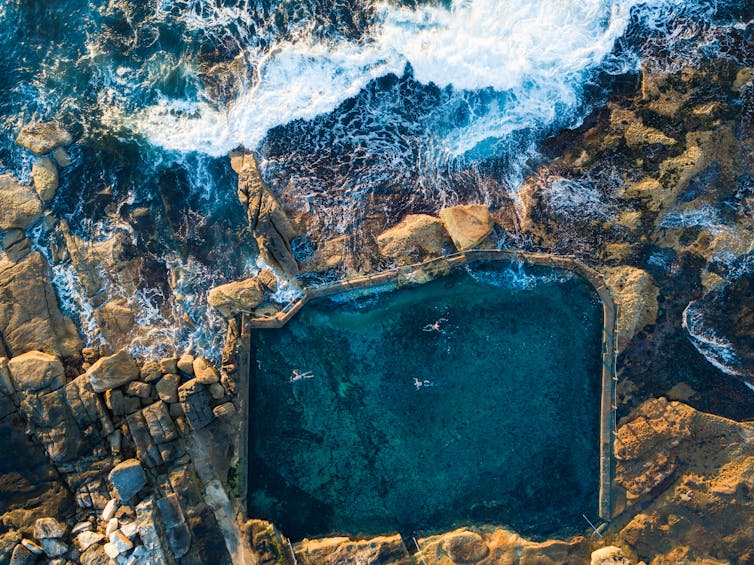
[422, 383]
[299, 375]
[435, 327]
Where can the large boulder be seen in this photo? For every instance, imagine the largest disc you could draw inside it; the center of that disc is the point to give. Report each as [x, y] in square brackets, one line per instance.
[19, 204]
[44, 175]
[236, 297]
[113, 371]
[127, 478]
[465, 546]
[70, 422]
[636, 294]
[43, 137]
[268, 220]
[30, 318]
[414, 239]
[36, 371]
[609, 555]
[467, 225]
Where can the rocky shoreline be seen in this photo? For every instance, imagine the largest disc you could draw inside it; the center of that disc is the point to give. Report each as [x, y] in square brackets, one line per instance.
[132, 459]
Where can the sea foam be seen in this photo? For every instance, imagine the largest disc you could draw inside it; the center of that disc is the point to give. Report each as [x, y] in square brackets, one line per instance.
[538, 54]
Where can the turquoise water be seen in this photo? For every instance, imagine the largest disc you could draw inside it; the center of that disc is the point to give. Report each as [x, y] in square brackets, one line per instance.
[493, 418]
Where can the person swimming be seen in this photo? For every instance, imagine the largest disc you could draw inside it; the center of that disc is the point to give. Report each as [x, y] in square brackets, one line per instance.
[298, 375]
[435, 327]
[422, 383]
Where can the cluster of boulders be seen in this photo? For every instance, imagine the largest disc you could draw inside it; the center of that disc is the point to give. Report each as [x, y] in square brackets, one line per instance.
[116, 434]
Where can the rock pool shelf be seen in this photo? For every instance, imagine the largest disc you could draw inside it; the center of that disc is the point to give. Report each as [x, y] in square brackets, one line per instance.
[437, 267]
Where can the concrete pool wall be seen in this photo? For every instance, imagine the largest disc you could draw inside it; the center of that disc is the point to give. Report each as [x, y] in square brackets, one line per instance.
[431, 269]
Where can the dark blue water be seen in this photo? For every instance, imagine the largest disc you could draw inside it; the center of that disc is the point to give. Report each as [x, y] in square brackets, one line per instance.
[491, 418]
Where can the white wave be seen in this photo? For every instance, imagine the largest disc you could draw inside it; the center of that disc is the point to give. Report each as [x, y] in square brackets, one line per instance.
[713, 347]
[537, 53]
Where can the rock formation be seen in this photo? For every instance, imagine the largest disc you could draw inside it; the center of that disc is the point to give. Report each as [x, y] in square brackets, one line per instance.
[43, 137]
[467, 225]
[416, 238]
[267, 219]
[19, 204]
[636, 294]
[44, 175]
[30, 318]
[236, 297]
[686, 475]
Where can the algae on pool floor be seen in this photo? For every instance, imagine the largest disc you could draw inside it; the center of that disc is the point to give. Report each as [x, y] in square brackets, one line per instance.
[467, 399]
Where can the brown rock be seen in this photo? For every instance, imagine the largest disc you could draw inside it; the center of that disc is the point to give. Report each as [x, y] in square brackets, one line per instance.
[158, 420]
[609, 555]
[217, 391]
[61, 157]
[150, 371]
[19, 204]
[30, 318]
[36, 371]
[636, 294]
[328, 255]
[638, 135]
[205, 372]
[467, 225]
[167, 388]
[16, 245]
[268, 279]
[115, 319]
[186, 364]
[465, 547]
[383, 550]
[268, 221]
[195, 401]
[169, 365]
[115, 402]
[236, 297]
[414, 239]
[43, 137]
[48, 527]
[689, 472]
[225, 410]
[69, 422]
[113, 371]
[95, 555]
[140, 389]
[44, 175]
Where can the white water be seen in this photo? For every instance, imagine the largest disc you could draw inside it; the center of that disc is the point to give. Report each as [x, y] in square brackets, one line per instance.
[536, 53]
[715, 348]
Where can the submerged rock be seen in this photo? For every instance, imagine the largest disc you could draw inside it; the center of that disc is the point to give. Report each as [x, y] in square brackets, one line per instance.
[416, 238]
[19, 204]
[43, 137]
[113, 371]
[44, 175]
[467, 225]
[236, 297]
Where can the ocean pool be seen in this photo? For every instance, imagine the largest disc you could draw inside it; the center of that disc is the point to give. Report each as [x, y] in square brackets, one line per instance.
[472, 398]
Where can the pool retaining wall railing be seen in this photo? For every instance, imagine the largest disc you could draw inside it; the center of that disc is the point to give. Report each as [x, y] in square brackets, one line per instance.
[438, 266]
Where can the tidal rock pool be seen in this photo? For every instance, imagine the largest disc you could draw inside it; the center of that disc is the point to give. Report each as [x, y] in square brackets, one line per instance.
[473, 398]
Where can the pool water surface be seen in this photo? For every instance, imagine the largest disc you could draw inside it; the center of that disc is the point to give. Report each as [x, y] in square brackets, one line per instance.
[472, 398]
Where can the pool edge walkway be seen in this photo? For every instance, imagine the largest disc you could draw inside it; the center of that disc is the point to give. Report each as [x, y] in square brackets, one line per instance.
[432, 268]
